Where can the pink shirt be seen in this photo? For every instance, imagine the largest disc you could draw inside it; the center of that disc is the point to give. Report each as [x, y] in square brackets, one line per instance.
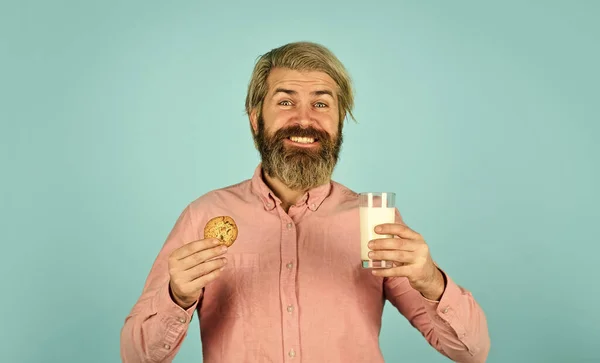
[293, 289]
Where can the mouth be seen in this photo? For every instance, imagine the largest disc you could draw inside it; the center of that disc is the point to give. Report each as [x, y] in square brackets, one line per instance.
[303, 141]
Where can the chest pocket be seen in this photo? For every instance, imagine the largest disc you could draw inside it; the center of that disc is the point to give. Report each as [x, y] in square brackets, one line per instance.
[238, 284]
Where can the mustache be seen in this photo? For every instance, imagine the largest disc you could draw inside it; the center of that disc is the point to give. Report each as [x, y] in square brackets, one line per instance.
[296, 130]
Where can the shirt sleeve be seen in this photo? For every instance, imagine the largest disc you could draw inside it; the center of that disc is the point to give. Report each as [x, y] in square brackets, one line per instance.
[156, 326]
[455, 325]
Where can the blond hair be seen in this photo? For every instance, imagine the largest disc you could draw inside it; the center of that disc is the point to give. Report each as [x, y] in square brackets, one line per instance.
[300, 56]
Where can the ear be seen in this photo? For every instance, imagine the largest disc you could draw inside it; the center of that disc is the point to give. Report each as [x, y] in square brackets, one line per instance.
[254, 120]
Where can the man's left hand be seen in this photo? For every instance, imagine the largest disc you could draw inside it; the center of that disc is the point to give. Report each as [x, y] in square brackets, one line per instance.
[410, 256]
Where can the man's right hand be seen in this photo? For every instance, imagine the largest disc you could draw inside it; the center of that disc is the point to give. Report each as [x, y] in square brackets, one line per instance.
[192, 267]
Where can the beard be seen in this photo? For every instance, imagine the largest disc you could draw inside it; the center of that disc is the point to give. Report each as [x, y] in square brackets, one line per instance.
[297, 167]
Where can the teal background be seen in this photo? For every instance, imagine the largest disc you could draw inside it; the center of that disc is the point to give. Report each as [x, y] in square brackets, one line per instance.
[482, 116]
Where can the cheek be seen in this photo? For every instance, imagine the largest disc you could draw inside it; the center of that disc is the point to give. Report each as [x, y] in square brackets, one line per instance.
[326, 120]
[332, 127]
[272, 120]
[335, 127]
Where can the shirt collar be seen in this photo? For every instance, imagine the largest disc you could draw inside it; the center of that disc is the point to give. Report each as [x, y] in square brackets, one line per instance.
[313, 198]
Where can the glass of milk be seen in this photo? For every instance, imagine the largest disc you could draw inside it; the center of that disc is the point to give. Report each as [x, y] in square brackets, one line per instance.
[375, 208]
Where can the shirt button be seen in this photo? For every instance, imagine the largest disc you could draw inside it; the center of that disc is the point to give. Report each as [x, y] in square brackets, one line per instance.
[445, 311]
[289, 266]
[290, 308]
[167, 346]
[181, 320]
[292, 353]
[289, 226]
[313, 206]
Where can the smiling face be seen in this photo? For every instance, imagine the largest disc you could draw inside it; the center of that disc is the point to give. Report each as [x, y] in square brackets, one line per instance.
[298, 131]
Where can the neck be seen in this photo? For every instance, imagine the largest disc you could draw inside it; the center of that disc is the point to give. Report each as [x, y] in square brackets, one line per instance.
[287, 196]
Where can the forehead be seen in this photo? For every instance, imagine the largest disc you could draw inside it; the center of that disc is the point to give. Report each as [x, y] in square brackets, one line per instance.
[298, 80]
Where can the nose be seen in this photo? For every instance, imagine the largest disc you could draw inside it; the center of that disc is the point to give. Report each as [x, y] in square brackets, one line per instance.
[304, 118]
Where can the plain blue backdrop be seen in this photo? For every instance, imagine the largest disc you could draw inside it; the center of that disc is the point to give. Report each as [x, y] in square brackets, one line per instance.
[481, 116]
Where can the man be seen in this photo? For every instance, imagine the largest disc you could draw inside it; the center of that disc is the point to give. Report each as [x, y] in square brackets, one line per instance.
[291, 287]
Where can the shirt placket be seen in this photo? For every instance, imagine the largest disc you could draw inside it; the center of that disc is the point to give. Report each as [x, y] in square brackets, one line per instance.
[288, 284]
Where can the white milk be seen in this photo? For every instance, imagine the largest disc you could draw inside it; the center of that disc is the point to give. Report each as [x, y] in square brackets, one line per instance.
[369, 218]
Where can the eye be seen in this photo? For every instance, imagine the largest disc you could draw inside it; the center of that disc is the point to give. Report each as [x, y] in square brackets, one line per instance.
[285, 103]
[320, 105]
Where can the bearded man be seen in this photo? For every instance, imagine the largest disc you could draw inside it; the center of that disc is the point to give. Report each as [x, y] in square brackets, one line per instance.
[291, 287]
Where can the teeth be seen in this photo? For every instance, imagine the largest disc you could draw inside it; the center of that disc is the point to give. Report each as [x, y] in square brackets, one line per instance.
[302, 140]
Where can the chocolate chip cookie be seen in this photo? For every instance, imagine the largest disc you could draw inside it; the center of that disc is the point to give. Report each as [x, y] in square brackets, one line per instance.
[223, 228]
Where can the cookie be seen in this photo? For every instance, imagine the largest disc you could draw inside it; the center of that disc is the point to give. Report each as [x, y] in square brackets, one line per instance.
[223, 228]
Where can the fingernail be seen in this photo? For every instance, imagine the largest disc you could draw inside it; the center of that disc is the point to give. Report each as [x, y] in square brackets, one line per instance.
[223, 248]
[378, 229]
[371, 245]
[215, 241]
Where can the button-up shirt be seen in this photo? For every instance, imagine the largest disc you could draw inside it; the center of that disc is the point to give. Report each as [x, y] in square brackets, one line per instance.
[293, 289]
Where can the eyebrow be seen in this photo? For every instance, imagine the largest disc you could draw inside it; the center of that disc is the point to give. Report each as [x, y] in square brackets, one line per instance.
[293, 93]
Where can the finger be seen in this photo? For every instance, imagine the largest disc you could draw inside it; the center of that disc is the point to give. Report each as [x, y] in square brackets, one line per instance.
[394, 244]
[400, 271]
[193, 247]
[204, 268]
[200, 257]
[398, 229]
[402, 257]
[203, 281]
